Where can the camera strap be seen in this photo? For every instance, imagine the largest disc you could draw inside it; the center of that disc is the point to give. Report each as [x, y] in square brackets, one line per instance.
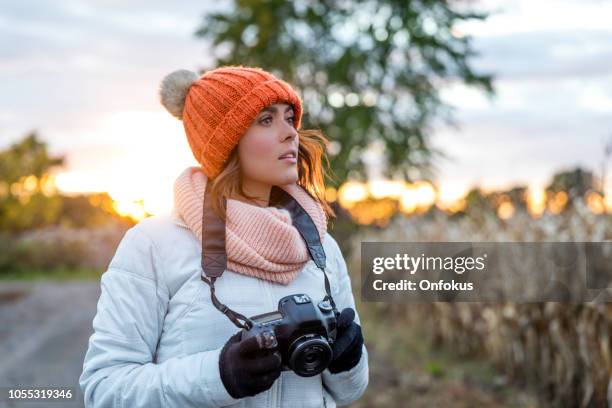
[308, 230]
[214, 256]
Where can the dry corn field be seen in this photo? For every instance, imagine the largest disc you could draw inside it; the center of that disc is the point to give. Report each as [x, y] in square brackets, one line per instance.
[562, 351]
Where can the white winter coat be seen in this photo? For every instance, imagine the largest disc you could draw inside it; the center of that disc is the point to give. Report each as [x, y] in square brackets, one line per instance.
[157, 336]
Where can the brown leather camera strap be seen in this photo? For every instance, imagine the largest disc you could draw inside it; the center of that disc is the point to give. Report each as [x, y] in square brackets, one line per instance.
[214, 257]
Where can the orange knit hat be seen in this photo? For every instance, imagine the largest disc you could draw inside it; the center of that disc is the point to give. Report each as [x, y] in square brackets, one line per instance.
[218, 107]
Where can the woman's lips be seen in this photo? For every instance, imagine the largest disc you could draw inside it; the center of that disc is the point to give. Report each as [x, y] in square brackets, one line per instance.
[289, 160]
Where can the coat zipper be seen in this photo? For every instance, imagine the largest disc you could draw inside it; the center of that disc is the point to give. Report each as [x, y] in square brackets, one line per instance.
[275, 389]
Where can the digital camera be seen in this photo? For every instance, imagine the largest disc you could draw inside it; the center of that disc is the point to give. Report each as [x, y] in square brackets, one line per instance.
[302, 331]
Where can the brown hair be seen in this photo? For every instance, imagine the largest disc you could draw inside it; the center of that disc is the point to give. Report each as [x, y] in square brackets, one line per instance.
[311, 174]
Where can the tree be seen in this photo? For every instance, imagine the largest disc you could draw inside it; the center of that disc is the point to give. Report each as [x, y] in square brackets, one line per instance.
[366, 70]
[478, 202]
[22, 202]
[28, 157]
[25, 203]
[575, 182]
[518, 197]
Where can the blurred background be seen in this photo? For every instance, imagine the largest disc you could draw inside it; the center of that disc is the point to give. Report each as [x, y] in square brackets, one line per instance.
[478, 120]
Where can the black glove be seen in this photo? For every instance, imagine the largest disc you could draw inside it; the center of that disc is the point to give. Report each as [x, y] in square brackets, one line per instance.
[349, 343]
[246, 367]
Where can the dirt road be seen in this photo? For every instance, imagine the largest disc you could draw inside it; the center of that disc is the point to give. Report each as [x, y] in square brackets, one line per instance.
[44, 329]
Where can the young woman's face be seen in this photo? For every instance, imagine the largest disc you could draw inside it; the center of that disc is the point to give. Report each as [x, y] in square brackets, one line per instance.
[263, 149]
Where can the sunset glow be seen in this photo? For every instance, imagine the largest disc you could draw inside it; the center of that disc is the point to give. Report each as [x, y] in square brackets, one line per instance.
[536, 201]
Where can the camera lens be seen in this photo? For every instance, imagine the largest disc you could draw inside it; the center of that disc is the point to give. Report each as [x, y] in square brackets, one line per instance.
[309, 355]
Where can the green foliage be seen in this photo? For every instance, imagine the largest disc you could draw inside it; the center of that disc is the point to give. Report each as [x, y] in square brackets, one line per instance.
[477, 202]
[435, 368]
[518, 197]
[57, 250]
[55, 274]
[576, 182]
[20, 256]
[45, 234]
[388, 58]
[26, 204]
[26, 157]
[37, 212]
[26, 209]
[88, 210]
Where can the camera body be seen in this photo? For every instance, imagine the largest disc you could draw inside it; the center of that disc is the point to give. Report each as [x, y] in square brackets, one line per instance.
[302, 331]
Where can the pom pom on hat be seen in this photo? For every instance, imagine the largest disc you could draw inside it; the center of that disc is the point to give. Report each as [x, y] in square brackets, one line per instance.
[173, 90]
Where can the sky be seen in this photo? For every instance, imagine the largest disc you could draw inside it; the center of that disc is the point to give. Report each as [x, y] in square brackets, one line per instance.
[85, 76]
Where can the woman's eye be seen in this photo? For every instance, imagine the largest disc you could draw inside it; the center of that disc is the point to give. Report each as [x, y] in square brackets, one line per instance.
[266, 121]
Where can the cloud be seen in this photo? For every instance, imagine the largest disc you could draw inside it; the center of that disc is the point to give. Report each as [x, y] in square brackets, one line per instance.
[528, 16]
[499, 147]
[546, 55]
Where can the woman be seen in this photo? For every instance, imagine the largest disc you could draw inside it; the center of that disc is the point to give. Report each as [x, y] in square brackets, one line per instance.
[162, 337]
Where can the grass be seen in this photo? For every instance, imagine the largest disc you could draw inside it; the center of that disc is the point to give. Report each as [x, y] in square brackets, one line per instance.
[406, 368]
[55, 274]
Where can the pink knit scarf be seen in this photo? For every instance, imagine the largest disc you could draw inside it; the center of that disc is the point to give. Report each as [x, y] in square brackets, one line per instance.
[260, 241]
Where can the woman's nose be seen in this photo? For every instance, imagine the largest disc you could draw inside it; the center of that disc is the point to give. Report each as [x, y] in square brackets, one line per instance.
[291, 135]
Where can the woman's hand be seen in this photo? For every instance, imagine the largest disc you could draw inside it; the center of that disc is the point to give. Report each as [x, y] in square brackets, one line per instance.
[246, 368]
[349, 343]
